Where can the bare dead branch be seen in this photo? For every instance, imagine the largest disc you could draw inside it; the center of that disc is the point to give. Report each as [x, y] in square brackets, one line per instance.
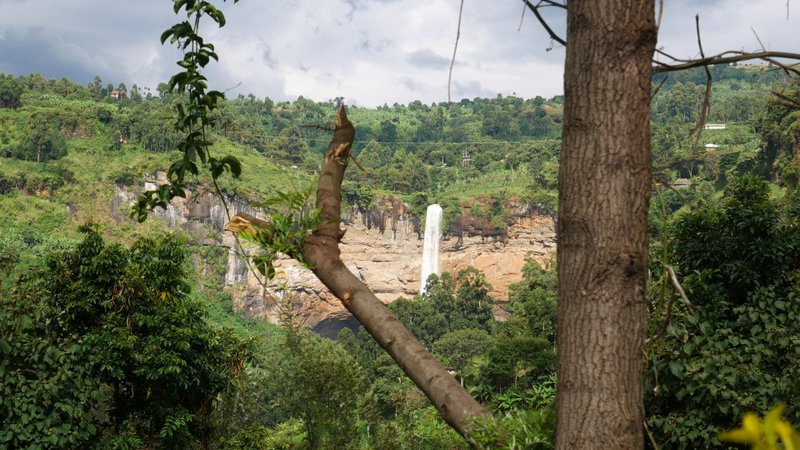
[701, 121]
[763, 49]
[318, 127]
[662, 328]
[659, 63]
[678, 64]
[232, 87]
[521, 18]
[785, 68]
[785, 100]
[663, 53]
[545, 25]
[679, 288]
[358, 164]
[727, 57]
[658, 88]
[545, 3]
[455, 48]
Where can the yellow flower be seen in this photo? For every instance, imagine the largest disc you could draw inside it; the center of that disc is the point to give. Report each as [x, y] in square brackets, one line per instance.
[787, 434]
[764, 435]
[751, 432]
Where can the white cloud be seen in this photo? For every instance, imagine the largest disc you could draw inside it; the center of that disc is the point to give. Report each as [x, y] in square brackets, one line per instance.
[371, 52]
[728, 25]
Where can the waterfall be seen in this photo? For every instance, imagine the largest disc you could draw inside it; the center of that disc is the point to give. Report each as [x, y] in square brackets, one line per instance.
[430, 251]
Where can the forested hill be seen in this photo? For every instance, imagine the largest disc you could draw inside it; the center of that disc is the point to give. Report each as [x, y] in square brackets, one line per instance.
[65, 146]
[505, 146]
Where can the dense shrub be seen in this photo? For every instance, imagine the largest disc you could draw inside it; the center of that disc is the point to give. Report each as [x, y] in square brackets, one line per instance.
[104, 348]
[739, 260]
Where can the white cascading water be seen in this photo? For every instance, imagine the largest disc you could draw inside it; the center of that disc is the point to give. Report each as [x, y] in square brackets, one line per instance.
[430, 251]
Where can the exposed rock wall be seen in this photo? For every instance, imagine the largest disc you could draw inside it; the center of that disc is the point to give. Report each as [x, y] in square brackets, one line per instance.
[389, 263]
[382, 247]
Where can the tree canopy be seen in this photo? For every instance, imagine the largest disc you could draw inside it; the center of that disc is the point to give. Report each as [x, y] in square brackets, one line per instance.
[102, 346]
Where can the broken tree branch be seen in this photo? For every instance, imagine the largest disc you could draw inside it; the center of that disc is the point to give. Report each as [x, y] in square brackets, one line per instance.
[321, 252]
[679, 288]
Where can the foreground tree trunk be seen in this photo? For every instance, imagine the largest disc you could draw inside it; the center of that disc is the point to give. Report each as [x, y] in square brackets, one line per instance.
[604, 191]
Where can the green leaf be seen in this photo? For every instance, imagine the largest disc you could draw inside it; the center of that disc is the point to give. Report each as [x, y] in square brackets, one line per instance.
[165, 35]
[178, 5]
[676, 368]
[217, 167]
[24, 322]
[233, 164]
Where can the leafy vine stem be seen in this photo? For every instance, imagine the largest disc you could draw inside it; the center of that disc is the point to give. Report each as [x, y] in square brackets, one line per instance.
[193, 113]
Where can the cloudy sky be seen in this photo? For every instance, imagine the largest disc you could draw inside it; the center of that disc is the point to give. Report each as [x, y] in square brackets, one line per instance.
[368, 51]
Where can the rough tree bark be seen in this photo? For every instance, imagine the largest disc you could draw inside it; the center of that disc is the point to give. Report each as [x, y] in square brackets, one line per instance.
[604, 190]
[321, 252]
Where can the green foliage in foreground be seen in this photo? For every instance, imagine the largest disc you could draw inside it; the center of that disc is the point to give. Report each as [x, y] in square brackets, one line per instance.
[318, 382]
[739, 261]
[289, 435]
[519, 430]
[103, 348]
[192, 117]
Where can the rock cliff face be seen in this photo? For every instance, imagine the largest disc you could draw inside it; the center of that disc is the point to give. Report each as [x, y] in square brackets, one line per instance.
[389, 263]
[382, 247]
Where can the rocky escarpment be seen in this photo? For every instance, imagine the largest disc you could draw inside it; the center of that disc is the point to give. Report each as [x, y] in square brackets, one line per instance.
[382, 247]
[201, 213]
[389, 263]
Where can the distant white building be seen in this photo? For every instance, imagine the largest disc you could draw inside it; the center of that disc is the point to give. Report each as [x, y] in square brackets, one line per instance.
[715, 126]
[712, 145]
[681, 183]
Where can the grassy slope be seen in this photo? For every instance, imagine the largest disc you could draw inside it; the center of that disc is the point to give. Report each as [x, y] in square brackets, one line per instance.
[47, 201]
